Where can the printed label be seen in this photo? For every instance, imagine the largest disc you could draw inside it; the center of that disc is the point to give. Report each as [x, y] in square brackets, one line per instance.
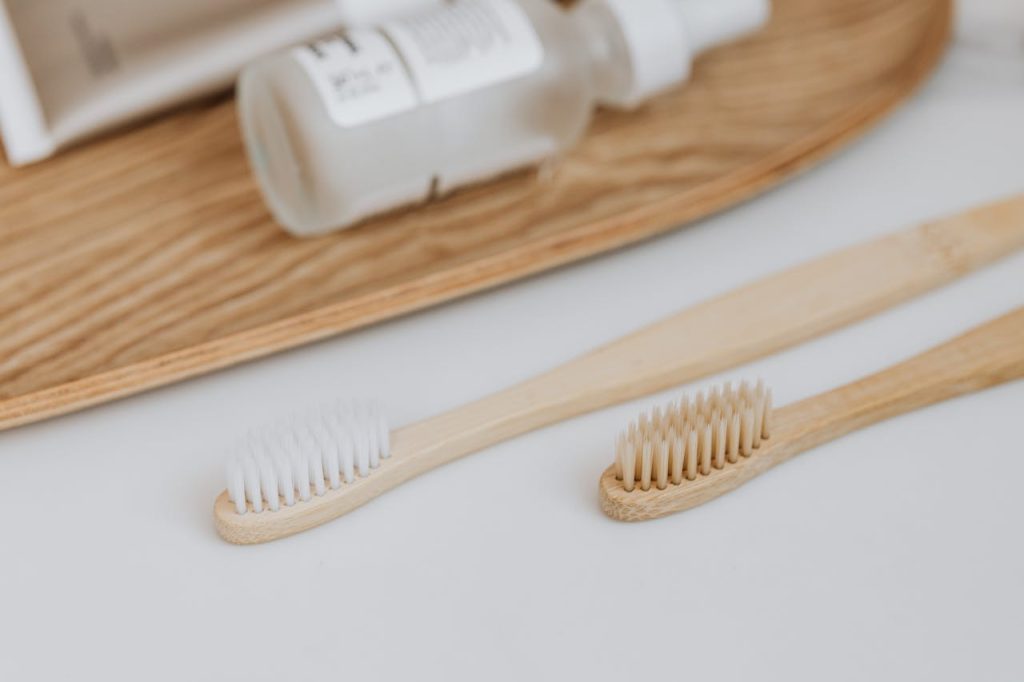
[359, 76]
[468, 45]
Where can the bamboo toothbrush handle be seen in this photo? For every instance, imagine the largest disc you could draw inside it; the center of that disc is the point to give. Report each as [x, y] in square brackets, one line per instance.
[759, 319]
[987, 356]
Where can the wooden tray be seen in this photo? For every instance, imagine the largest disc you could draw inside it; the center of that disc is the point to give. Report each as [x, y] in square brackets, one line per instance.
[148, 257]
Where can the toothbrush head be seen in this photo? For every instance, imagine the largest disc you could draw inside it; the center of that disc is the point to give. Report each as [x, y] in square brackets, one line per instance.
[687, 444]
[305, 457]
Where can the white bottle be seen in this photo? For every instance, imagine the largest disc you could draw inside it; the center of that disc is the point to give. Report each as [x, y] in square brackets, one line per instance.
[373, 120]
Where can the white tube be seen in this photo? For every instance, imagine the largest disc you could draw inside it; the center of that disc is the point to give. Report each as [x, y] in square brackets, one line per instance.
[22, 124]
[70, 70]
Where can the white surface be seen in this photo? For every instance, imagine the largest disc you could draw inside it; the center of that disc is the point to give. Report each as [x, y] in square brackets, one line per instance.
[895, 553]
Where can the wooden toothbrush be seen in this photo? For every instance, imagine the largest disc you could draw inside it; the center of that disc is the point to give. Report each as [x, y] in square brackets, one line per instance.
[289, 479]
[689, 453]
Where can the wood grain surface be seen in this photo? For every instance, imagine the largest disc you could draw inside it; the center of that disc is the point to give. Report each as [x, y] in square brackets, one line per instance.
[148, 257]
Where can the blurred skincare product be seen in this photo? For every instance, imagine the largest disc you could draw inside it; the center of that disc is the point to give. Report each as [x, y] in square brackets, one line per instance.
[371, 12]
[70, 68]
[374, 119]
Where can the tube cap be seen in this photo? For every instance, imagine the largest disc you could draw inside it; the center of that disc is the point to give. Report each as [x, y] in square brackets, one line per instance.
[664, 36]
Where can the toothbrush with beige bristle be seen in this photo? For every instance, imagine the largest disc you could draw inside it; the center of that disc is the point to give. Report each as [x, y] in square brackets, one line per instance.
[290, 478]
[690, 452]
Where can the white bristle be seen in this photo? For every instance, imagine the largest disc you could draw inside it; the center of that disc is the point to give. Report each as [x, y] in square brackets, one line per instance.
[285, 479]
[384, 435]
[307, 456]
[346, 451]
[692, 438]
[236, 484]
[300, 475]
[268, 482]
[331, 453]
[252, 483]
[361, 443]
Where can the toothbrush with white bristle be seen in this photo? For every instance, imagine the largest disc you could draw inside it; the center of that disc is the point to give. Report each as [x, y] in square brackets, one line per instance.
[341, 458]
[305, 457]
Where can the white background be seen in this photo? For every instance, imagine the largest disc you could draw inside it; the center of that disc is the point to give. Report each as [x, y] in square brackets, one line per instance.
[895, 553]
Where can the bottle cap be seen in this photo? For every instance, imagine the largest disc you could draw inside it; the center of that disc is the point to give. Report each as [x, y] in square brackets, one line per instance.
[664, 36]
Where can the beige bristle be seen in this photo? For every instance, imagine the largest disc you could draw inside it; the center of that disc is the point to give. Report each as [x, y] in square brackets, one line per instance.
[661, 464]
[758, 423]
[734, 439]
[691, 438]
[629, 467]
[638, 457]
[691, 454]
[620, 452]
[671, 416]
[747, 433]
[705, 450]
[721, 433]
[677, 455]
[646, 465]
